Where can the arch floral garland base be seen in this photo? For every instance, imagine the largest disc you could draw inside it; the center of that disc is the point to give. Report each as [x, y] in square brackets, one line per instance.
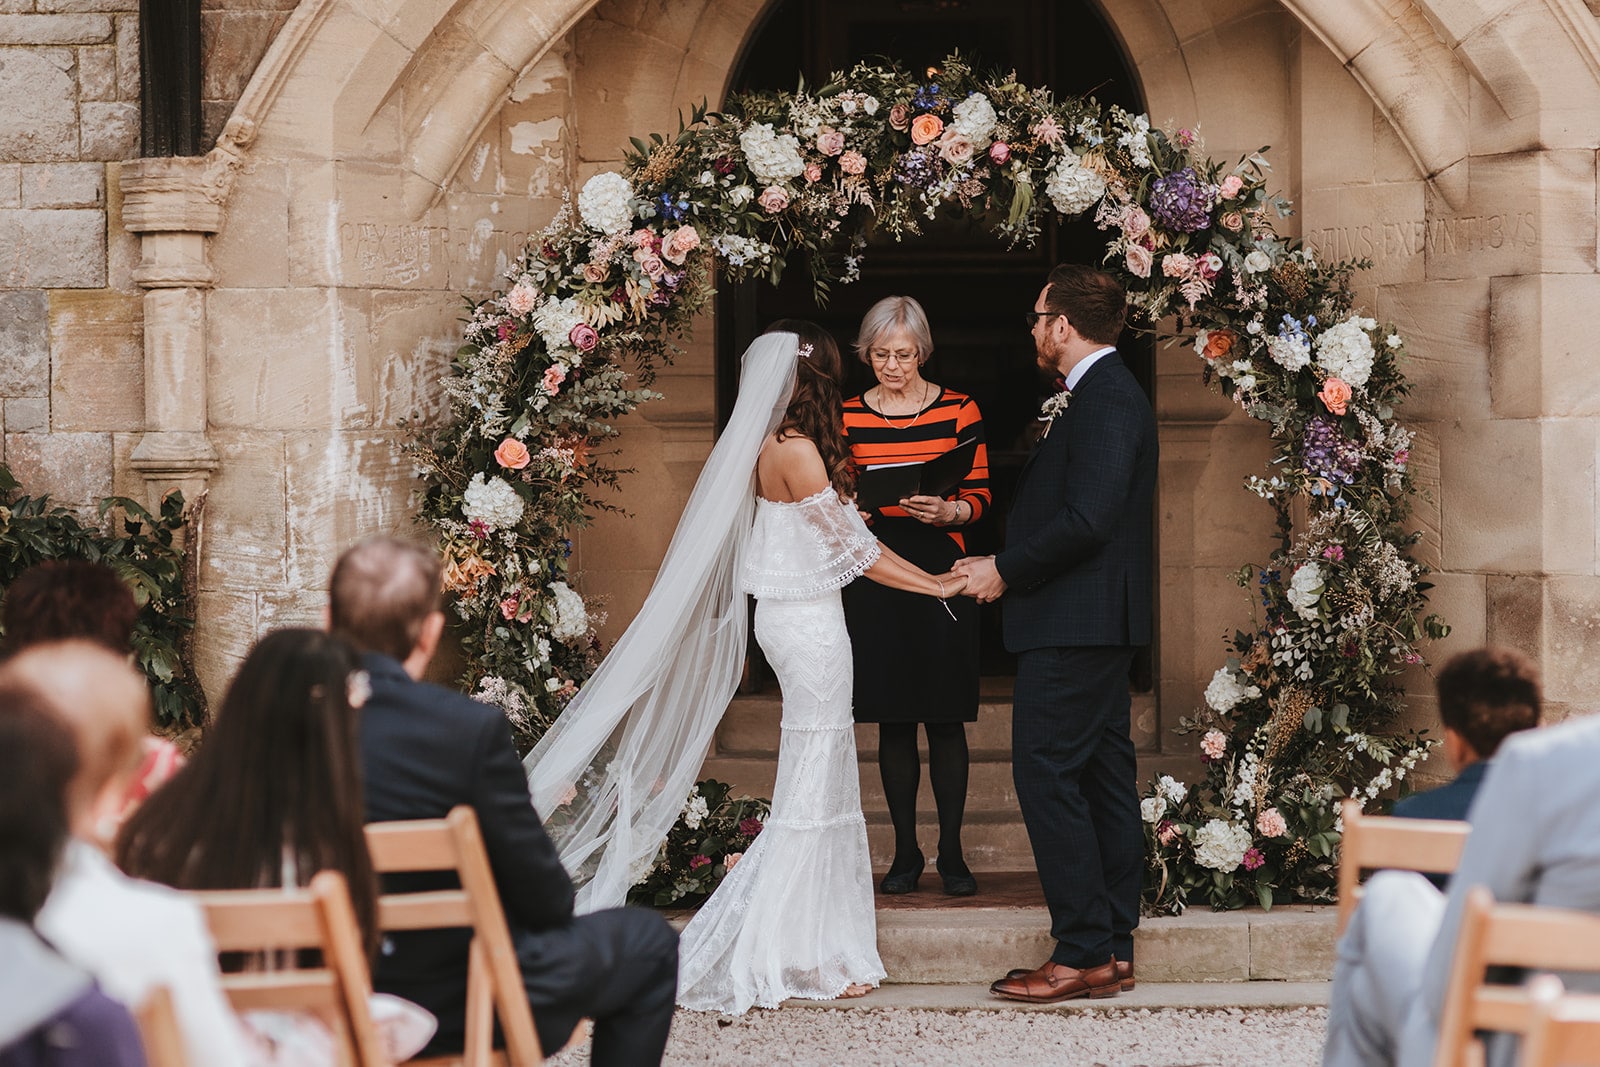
[1302, 712]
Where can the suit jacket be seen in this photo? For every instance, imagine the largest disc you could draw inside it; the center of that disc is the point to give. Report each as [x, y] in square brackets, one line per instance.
[1449, 801]
[424, 750]
[1077, 561]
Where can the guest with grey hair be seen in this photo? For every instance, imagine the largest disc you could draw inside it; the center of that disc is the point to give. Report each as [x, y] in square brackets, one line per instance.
[913, 662]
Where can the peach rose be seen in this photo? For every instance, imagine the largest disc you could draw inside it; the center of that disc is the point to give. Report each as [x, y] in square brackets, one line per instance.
[645, 238]
[1230, 186]
[1335, 395]
[813, 172]
[1219, 343]
[522, 299]
[1176, 265]
[730, 859]
[955, 149]
[900, 117]
[554, 375]
[1139, 260]
[830, 142]
[512, 454]
[853, 162]
[773, 199]
[1135, 223]
[680, 243]
[1232, 220]
[596, 272]
[650, 263]
[925, 129]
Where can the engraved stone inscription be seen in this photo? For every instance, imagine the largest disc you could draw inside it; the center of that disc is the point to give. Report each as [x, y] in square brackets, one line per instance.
[404, 254]
[1382, 240]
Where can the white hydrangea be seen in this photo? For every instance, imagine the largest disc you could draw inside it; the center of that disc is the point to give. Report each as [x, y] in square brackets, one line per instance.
[696, 810]
[492, 502]
[1221, 845]
[1290, 353]
[1305, 589]
[1136, 138]
[1151, 809]
[974, 118]
[1073, 188]
[1174, 790]
[1345, 350]
[1225, 692]
[772, 157]
[572, 618]
[606, 202]
[554, 320]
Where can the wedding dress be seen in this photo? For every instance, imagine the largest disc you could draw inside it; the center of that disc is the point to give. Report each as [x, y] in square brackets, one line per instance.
[795, 918]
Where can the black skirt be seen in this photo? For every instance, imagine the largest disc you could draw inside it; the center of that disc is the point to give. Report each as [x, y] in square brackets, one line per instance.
[913, 663]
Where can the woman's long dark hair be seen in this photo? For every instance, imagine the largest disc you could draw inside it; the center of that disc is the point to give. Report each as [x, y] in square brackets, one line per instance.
[816, 410]
[279, 776]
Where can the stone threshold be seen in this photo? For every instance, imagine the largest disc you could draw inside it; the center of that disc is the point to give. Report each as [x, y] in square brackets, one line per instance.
[1147, 996]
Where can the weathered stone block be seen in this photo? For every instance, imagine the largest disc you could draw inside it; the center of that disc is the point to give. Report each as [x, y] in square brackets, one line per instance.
[1528, 213]
[97, 73]
[1515, 616]
[225, 630]
[286, 359]
[27, 414]
[127, 57]
[1383, 223]
[253, 249]
[1296, 946]
[91, 6]
[1446, 330]
[25, 344]
[1570, 668]
[1336, 106]
[10, 185]
[247, 525]
[340, 489]
[414, 337]
[1462, 600]
[1540, 360]
[40, 119]
[97, 343]
[73, 468]
[232, 44]
[1199, 946]
[54, 29]
[1489, 523]
[110, 130]
[63, 185]
[53, 249]
[1567, 503]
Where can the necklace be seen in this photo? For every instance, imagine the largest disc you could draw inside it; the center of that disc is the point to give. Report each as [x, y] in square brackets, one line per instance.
[922, 405]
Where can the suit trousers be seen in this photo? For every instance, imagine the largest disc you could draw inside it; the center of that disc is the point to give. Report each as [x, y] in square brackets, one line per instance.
[617, 967]
[1074, 768]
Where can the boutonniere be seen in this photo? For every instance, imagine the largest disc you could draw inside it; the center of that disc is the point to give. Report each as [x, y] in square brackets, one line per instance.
[1052, 408]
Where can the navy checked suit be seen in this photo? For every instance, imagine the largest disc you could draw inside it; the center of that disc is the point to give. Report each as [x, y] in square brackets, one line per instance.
[1077, 567]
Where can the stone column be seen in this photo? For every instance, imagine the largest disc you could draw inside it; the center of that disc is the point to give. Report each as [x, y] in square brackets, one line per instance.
[174, 204]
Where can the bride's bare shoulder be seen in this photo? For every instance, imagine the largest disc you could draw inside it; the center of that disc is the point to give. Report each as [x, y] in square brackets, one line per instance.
[790, 468]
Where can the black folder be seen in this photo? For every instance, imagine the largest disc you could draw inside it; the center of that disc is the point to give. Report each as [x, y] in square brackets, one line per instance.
[887, 484]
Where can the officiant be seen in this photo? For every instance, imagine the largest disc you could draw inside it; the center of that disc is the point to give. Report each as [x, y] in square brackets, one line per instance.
[914, 661]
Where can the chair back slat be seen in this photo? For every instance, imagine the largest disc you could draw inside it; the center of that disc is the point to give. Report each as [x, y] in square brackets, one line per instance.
[158, 1030]
[417, 845]
[425, 911]
[252, 919]
[1552, 939]
[1370, 843]
[1565, 1030]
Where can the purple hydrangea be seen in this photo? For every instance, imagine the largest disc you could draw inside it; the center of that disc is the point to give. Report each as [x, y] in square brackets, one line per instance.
[1328, 453]
[1181, 201]
[918, 167]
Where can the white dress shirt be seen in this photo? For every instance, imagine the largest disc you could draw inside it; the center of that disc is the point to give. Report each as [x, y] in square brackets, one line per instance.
[1076, 374]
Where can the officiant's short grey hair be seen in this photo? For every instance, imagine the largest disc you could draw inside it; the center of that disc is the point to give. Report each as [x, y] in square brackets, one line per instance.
[888, 315]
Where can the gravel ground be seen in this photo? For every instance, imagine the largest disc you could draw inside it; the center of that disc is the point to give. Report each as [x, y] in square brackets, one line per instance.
[1175, 1037]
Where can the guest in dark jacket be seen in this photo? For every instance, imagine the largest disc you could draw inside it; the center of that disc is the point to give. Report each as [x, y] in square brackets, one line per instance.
[426, 749]
[51, 1013]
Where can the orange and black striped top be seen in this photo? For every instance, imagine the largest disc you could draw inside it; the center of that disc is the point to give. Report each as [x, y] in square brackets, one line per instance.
[952, 418]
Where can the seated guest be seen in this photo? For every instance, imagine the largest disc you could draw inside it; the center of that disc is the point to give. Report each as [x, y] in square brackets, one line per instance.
[131, 935]
[271, 798]
[426, 749]
[1535, 840]
[51, 1013]
[61, 599]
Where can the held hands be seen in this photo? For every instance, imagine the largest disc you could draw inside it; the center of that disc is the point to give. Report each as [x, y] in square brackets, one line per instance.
[933, 510]
[983, 579]
[951, 583]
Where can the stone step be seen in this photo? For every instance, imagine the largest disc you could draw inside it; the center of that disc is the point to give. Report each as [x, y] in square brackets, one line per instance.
[1146, 996]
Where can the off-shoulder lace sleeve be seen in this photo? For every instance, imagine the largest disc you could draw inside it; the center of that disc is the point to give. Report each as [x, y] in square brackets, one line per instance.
[804, 549]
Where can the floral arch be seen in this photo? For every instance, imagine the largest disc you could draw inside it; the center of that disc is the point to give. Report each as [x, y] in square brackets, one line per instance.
[1303, 710]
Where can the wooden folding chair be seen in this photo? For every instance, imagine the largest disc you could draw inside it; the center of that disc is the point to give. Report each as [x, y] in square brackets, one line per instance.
[1370, 843]
[158, 1030]
[278, 923]
[494, 978]
[1565, 1027]
[1506, 935]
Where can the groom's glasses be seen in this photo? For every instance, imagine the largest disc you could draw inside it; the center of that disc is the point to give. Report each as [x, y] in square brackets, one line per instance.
[1035, 316]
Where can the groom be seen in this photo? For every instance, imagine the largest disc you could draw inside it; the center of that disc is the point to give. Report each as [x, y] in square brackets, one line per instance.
[1076, 577]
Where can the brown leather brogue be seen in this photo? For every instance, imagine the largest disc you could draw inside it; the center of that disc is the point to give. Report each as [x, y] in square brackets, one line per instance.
[1055, 982]
[1125, 979]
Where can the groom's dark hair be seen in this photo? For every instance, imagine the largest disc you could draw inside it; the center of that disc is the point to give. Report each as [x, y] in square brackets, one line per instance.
[381, 593]
[1487, 694]
[1092, 300]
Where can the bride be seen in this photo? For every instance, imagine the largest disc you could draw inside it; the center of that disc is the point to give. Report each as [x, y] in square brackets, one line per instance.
[767, 517]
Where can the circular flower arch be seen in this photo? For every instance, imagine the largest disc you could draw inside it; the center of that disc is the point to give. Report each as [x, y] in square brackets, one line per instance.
[1303, 710]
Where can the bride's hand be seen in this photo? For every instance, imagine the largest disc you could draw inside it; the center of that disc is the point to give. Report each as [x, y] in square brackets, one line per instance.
[951, 583]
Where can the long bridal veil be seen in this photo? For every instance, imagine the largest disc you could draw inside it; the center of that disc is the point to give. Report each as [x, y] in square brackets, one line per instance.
[613, 772]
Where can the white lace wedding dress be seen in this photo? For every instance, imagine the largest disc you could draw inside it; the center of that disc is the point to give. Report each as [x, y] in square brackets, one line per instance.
[794, 918]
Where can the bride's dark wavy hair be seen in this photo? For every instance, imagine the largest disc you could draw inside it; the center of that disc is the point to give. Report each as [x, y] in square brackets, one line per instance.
[816, 410]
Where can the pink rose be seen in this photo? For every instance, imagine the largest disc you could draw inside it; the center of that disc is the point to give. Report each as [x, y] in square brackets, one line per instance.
[830, 142]
[512, 454]
[650, 263]
[853, 162]
[554, 375]
[900, 117]
[1230, 186]
[773, 199]
[596, 272]
[1167, 832]
[1271, 823]
[680, 243]
[955, 149]
[730, 859]
[999, 153]
[813, 172]
[508, 607]
[522, 299]
[1210, 265]
[1232, 220]
[583, 337]
[1214, 744]
[1176, 265]
[1135, 223]
[645, 238]
[1139, 260]
[1335, 395]
[925, 128]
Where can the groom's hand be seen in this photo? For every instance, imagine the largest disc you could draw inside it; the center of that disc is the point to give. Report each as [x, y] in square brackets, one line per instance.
[983, 580]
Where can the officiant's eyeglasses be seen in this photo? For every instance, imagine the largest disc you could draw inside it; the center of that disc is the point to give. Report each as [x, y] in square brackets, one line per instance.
[1035, 316]
[880, 357]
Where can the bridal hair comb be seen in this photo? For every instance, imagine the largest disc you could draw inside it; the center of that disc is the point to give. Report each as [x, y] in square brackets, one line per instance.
[805, 350]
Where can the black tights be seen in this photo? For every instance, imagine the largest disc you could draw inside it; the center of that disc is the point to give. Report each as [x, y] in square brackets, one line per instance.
[901, 766]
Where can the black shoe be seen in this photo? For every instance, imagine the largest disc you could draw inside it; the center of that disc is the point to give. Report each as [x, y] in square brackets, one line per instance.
[958, 884]
[895, 884]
